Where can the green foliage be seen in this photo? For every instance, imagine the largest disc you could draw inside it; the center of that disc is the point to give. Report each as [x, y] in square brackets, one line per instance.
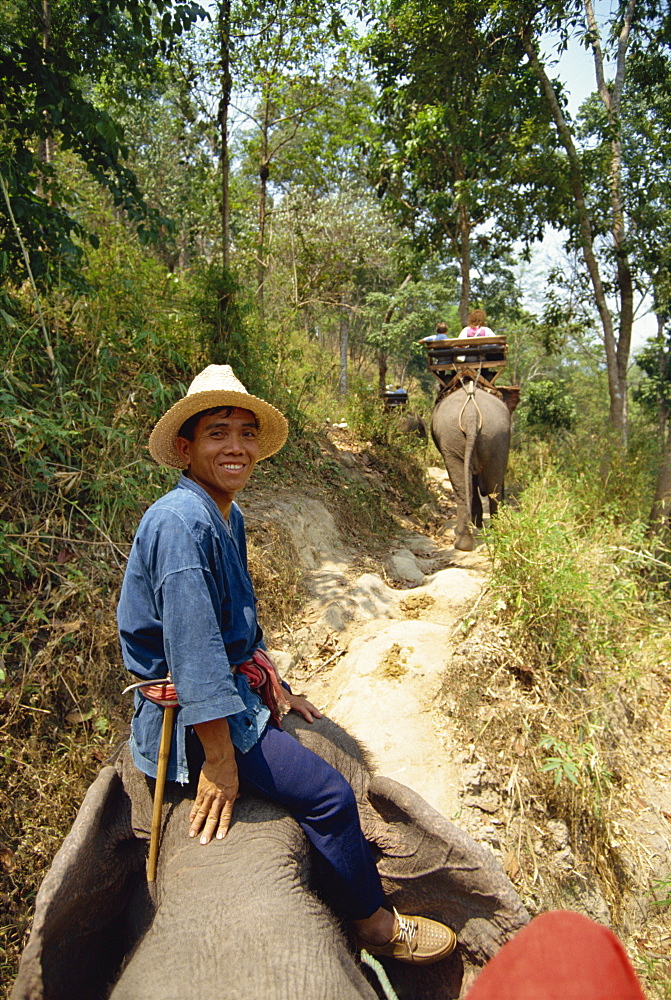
[46, 60]
[221, 312]
[582, 765]
[653, 391]
[366, 413]
[663, 886]
[550, 408]
[566, 577]
[392, 323]
[610, 481]
[465, 133]
[170, 152]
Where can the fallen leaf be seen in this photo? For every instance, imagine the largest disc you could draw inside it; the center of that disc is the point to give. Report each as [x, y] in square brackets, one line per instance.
[310, 618]
[7, 860]
[69, 626]
[79, 716]
[511, 865]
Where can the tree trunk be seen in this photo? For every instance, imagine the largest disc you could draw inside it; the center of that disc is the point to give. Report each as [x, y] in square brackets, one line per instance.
[617, 355]
[382, 368]
[612, 101]
[344, 344]
[45, 143]
[224, 26]
[382, 355]
[664, 368]
[660, 515]
[263, 195]
[464, 254]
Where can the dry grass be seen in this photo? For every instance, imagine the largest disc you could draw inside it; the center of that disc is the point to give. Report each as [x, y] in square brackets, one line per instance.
[580, 757]
[60, 714]
[276, 572]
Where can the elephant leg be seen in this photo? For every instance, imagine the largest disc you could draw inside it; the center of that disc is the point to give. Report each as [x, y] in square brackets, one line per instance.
[476, 504]
[492, 487]
[463, 535]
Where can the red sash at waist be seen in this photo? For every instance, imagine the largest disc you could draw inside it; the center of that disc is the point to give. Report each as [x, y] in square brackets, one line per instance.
[261, 674]
[262, 678]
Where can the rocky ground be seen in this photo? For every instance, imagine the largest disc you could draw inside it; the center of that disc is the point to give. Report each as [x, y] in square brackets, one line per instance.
[398, 651]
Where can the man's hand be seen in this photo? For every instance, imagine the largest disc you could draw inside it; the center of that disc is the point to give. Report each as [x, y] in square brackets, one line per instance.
[297, 703]
[217, 785]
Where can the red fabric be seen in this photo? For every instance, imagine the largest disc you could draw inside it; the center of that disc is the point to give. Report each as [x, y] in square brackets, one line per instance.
[261, 673]
[560, 955]
[160, 694]
[476, 331]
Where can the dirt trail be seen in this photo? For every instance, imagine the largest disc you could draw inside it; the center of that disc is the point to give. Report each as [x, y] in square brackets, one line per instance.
[389, 653]
[373, 656]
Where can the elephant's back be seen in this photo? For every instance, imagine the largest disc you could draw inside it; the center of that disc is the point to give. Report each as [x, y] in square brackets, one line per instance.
[460, 410]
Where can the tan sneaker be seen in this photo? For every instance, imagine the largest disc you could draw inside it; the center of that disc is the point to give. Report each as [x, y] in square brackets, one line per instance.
[416, 940]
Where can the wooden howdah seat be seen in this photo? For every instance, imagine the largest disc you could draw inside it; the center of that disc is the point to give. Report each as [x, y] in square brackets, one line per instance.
[476, 359]
[446, 357]
[395, 399]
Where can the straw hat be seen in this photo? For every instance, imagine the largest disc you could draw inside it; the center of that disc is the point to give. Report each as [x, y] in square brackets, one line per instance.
[216, 386]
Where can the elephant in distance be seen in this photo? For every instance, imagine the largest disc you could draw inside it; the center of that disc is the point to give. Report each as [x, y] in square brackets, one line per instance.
[471, 429]
[412, 423]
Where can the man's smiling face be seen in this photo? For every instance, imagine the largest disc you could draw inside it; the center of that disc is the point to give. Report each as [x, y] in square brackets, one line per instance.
[223, 453]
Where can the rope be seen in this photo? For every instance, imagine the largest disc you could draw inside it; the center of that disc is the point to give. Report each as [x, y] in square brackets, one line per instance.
[382, 976]
[469, 389]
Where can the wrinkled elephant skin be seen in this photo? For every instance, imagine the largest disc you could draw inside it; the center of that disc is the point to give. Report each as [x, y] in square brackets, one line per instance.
[241, 918]
[472, 433]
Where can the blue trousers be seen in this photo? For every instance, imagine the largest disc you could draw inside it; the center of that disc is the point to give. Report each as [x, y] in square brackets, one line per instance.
[322, 802]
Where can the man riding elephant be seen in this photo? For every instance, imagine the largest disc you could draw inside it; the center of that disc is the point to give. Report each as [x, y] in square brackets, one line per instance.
[187, 609]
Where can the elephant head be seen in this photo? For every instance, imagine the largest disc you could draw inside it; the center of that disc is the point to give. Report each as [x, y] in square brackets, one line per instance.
[413, 424]
[248, 916]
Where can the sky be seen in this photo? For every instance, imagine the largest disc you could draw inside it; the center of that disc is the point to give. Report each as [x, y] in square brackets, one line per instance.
[576, 69]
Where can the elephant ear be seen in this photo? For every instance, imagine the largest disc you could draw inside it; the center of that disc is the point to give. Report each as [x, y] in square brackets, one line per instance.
[430, 867]
[80, 932]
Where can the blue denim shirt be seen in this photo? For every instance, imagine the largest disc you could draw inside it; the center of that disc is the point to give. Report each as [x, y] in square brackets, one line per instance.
[187, 607]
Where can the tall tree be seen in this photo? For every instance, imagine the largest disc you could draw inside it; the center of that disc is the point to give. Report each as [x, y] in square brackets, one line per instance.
[288, 74]
[617, 349]
[48, 61]
[331, 253]
[604, 240]
[465, 139]
[262, 64]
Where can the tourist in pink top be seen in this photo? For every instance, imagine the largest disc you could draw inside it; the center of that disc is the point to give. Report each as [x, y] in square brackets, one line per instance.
[476, 325]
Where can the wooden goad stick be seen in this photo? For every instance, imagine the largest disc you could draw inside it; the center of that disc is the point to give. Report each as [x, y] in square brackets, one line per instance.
[161, 692]
[159, 789]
